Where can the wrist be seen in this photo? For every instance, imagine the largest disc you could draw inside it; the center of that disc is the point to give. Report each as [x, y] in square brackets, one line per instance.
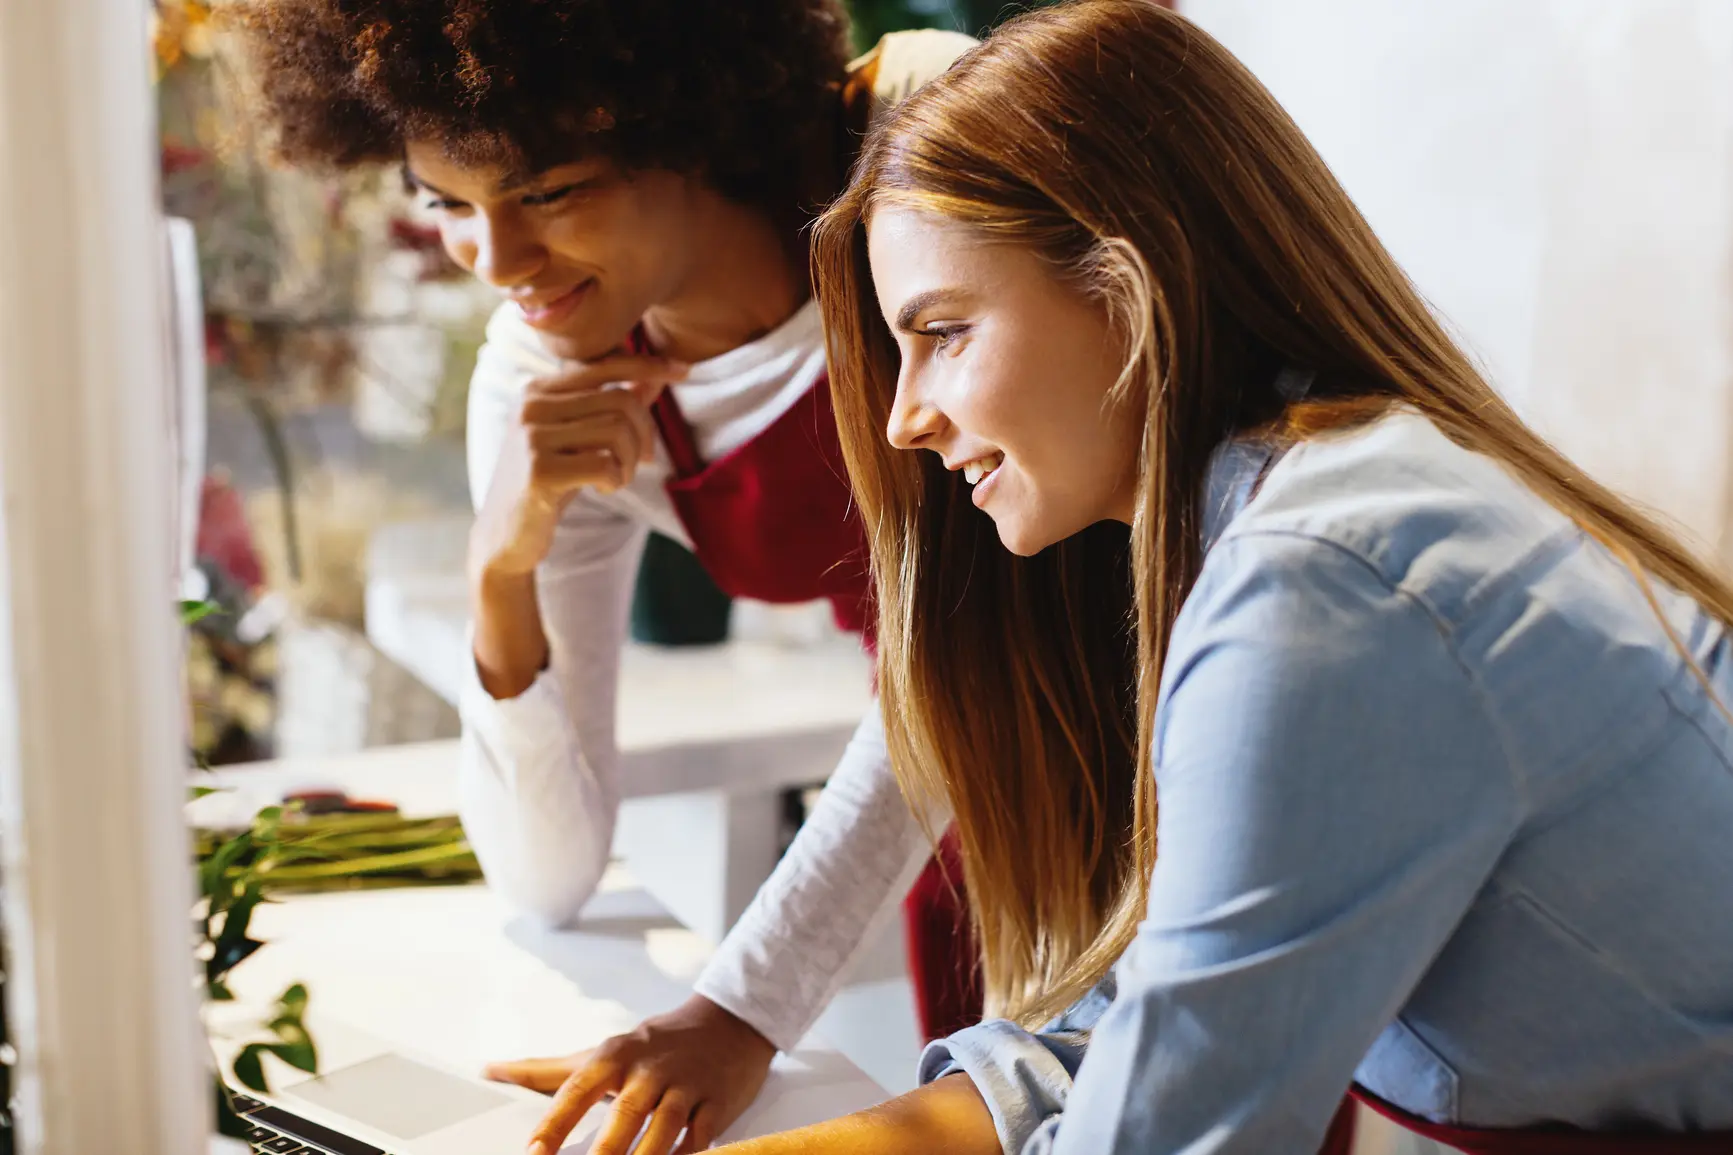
[750, 1037]
[510, 649]
[501, 576]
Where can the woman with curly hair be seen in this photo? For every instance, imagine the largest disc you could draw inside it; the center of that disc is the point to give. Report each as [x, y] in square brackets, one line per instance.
[633, 177]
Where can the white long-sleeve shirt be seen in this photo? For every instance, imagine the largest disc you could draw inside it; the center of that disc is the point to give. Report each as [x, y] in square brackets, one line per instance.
[540, 774]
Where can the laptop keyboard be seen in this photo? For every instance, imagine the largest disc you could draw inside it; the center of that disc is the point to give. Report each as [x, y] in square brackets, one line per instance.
[279, 1132]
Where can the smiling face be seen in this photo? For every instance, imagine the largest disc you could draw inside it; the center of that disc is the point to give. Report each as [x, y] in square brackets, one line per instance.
[582, 249]
[1005, 374]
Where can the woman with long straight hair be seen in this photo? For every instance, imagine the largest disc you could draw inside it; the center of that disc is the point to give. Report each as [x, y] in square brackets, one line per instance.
[1308, 721]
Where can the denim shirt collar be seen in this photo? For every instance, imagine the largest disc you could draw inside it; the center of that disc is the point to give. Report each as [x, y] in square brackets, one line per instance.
[1237, 464]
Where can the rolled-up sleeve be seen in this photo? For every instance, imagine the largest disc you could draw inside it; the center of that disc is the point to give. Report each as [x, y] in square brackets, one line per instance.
[1025, 1076]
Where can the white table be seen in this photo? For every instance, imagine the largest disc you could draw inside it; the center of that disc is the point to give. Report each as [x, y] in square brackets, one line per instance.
[444, 973]
[709, 736]
[872, 1019]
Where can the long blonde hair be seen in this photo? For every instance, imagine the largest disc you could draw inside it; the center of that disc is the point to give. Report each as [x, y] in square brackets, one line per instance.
[1147, 165]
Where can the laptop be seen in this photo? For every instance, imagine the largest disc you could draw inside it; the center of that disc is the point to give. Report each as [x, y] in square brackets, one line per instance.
[372, 1098]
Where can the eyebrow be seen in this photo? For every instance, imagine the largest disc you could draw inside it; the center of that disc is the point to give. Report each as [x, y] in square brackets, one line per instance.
[503, 188]
[915, 305]
[413, 182]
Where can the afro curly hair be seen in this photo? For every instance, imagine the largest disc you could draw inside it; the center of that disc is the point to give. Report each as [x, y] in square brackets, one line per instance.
[735, 90]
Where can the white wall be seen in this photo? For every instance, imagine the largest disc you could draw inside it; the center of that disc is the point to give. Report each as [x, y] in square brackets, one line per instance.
[1557, 176]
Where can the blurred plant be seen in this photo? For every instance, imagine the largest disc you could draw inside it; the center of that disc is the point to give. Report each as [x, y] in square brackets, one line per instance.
[291, 263]
[873, 18]
[285, 850]
[346, 851]
[232, 884]
[231, 661]
[179, 29]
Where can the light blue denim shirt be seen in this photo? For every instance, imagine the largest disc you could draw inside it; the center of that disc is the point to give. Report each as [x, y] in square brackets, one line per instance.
[1442, 810]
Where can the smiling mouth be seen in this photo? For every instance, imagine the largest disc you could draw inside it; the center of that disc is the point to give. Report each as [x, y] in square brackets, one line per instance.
[552, 312]
[981, 468]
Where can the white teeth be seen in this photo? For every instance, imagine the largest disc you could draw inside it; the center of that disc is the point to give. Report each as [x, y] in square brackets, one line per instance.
[974, 471]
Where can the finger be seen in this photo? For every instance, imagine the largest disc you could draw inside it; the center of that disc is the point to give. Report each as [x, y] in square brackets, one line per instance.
[631, 1107]
[544, 1075]
[641, 419]
[626, 429]
[646, 391]
[672, 1115]
[597, 375]
[599, 431]
[583, 1090]
[596, 410]
[563, 471]
[701, 1131]
[566, 408]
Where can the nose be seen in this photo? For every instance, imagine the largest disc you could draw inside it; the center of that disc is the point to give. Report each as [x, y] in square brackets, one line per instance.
[503, 253]
[915, 423]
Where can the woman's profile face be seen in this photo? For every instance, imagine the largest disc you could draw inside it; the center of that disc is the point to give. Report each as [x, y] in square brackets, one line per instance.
[1005, 375]
[582, 249]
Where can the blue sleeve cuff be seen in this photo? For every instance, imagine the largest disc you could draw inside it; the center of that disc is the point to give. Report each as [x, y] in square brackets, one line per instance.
[1019, 1075]
[1024, 1076]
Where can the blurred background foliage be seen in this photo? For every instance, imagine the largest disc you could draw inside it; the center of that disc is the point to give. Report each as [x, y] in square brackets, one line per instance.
[874, 18]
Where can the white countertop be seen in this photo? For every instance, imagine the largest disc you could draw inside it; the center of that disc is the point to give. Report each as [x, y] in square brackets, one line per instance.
[446, 974]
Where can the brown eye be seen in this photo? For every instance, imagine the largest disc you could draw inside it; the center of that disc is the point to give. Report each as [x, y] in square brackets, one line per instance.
[944, 336]
[551, 196]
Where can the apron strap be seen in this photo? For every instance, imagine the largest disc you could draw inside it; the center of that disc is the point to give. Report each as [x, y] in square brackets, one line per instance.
[670, 422]
[676, 435]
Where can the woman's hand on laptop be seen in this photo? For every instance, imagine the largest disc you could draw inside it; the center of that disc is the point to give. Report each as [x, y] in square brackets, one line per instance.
[693, 1070]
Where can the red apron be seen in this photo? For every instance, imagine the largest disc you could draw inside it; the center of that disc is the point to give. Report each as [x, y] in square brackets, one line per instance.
[775, 521]
[1523, 1140]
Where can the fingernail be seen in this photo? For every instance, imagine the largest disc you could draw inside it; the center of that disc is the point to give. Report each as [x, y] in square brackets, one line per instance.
[680, 367]
[538, 1148]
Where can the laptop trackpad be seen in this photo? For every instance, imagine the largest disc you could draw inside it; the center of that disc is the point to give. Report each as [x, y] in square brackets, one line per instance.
[398, 1096]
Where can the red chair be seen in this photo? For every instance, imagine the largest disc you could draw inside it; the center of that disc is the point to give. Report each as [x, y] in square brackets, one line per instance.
[1523, 1140]
[944, 960]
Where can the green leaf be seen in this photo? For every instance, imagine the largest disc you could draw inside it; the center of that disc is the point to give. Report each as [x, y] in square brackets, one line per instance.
[228, 956]
[194, 793]
[232, 945]
[250, 1070]
[240, 914]
[299, 1053]
[218, 991]
[267, 824]
[294, 1000]
[194, 612]
[214, 870]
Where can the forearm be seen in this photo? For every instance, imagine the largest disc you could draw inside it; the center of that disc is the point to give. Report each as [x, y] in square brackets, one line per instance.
[840, 882]
[511, 646]
[948, 1115]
